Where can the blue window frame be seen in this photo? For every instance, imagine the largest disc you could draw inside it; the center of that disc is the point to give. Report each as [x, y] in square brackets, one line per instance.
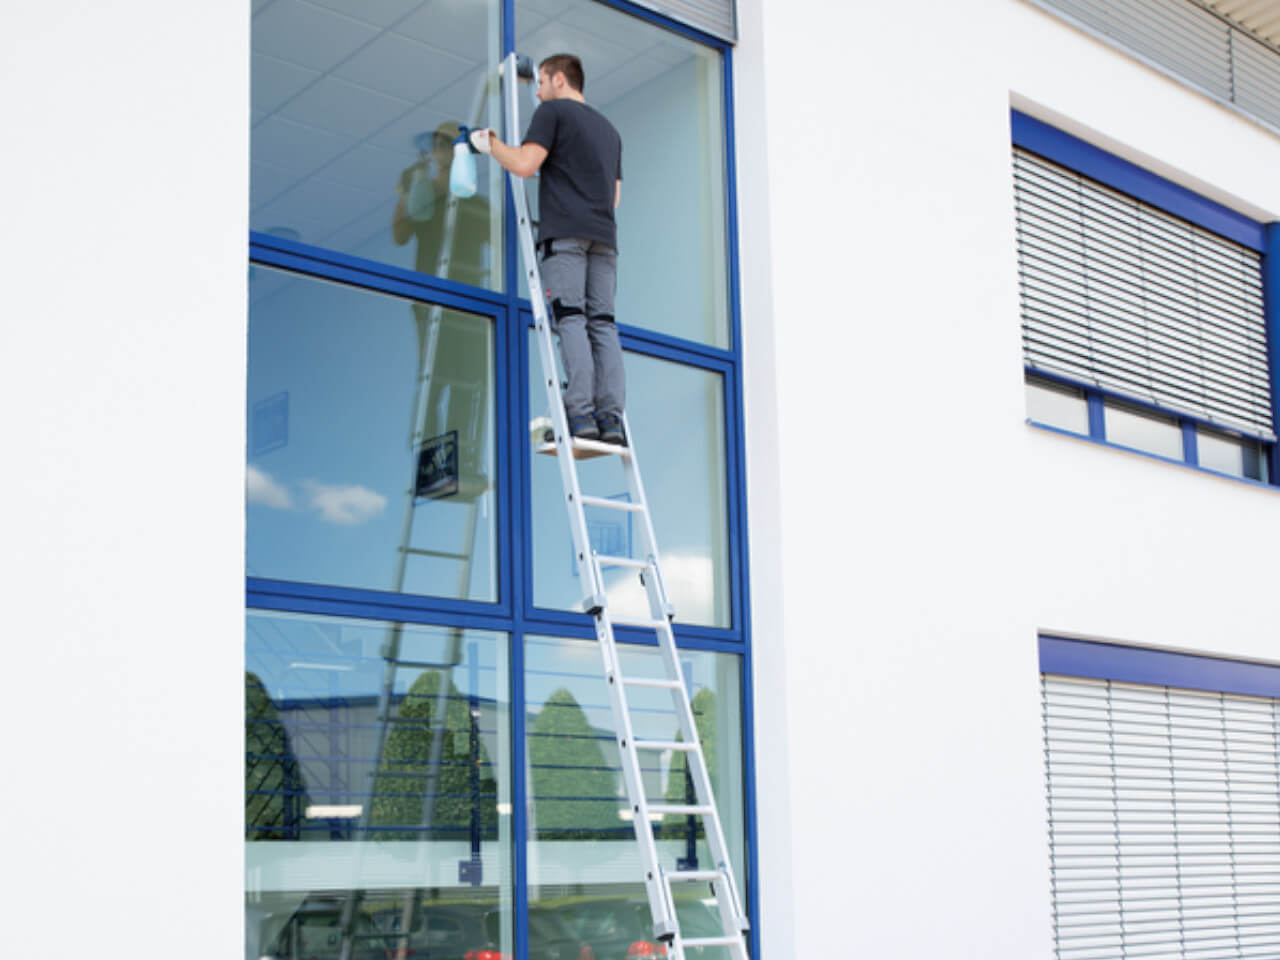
[1200, 435]
[514, 613]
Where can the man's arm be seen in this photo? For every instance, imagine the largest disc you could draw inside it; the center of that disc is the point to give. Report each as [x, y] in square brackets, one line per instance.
[523, 161]
[617, 193]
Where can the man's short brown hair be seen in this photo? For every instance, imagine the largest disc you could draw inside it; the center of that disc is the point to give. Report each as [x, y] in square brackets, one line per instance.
[567, 64]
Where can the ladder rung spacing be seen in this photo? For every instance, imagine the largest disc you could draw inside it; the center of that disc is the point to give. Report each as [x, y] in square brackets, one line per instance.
[443, 554]
[612, 504]
[422, 664]
[691, 876]
[640, 733]
[653, 682]
[682, 809]
[678, 745]
[645, 623]
[605, 560]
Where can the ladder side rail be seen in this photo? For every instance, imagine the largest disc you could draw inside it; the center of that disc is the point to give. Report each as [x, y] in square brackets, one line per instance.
[660, 607]
[593, 585]
[629, 759]
[696, 764]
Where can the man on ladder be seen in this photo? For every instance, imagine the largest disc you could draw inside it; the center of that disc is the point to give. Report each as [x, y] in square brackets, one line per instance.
[580, 156]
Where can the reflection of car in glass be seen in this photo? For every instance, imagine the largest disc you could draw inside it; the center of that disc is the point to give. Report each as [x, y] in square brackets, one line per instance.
[619, 928]
[551, 938]
[460, 931]
[314, 932]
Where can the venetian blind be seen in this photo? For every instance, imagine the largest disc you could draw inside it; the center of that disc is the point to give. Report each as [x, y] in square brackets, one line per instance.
[1164, 816]
[1122, 295]
[716, 17]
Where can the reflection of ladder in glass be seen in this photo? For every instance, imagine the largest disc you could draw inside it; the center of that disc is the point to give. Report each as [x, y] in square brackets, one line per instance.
[429, 476]
[661, 884]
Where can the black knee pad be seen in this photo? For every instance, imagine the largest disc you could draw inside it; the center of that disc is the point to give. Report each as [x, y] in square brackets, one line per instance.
[560, 311]
[602, 316]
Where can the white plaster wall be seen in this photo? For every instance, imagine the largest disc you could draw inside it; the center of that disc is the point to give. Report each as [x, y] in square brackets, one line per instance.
[124, 181]
[926, 533]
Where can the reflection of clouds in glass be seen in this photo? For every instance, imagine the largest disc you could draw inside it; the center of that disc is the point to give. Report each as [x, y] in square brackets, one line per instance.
[259, 488]
[690, 581]
[344, 504]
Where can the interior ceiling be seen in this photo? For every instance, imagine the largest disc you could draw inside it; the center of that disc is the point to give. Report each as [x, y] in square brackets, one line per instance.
[341, 88]
[1261, 17]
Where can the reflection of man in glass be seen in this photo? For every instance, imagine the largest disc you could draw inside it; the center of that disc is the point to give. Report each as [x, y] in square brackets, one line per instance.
[457, 251]
[422, 202]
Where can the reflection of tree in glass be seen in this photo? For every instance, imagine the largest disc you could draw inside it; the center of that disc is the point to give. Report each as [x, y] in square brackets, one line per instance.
[400, 788]
[574, 789]
[274, 791]
[679, 783]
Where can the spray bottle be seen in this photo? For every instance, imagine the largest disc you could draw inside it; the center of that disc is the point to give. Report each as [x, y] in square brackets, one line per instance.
[462, 173]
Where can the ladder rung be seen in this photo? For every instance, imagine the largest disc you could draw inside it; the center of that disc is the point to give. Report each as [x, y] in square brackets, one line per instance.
[423, 664]
[665, 745]
[682, 809]
[681, 876]
[612, 504]
[607, 561]
[711, 941]
[648, 623]
[599, 446]
[661, 684]
[418, 552]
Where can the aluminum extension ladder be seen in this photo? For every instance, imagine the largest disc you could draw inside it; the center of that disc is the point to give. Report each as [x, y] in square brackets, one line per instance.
[660, 880]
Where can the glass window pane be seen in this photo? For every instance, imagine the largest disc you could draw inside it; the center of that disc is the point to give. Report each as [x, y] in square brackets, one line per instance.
[377, 789]
[665, 95]
[1234, 455]
[354, 110]
[1057, 406]
[580, 836]
[1150, 432]
[677, 417]
[370, 430]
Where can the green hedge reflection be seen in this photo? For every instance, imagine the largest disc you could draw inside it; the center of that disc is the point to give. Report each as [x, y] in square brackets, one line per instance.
[275, 793]
[574, 787]
[414, 799]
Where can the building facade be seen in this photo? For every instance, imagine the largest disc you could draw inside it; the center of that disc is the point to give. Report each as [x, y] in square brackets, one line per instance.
[952, 366]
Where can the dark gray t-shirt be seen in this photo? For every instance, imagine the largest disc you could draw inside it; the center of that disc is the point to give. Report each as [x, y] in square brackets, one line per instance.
[577, 183]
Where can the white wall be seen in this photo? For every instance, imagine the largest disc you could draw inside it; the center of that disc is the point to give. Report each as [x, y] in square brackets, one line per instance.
[123, 244]
[927, 534]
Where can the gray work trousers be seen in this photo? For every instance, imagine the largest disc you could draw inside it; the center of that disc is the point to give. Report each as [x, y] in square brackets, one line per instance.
[581, 277]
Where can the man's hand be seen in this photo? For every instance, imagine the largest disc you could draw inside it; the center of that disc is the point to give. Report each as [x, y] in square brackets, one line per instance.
[480, 141]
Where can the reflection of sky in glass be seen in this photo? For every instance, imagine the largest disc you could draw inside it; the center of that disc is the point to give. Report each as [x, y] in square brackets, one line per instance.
[1055, 406]
[1233, 455]
[677, 416]
[328, 503]
[1154, 434]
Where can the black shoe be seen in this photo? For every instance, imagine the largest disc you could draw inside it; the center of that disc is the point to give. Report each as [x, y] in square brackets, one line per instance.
[584, 427]
[610, 425]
